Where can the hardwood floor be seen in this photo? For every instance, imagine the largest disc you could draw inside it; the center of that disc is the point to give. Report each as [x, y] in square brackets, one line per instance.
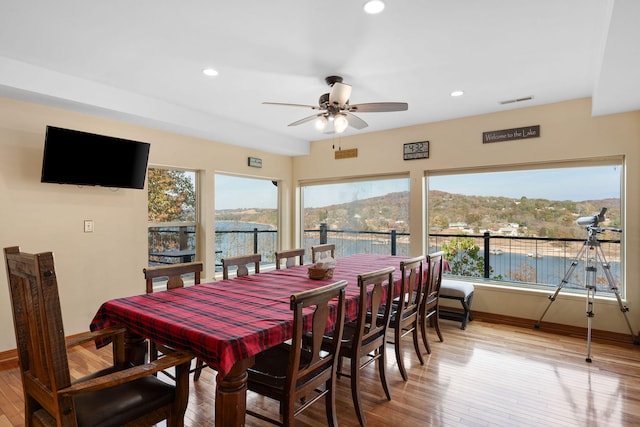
[488, 375]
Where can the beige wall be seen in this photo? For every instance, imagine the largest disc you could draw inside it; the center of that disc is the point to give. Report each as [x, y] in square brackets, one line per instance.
[567, 132]
[94, 267]
[105, 264]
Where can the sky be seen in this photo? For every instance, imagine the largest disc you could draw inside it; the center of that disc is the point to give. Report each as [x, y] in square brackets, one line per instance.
[234, 192]
[576, 184]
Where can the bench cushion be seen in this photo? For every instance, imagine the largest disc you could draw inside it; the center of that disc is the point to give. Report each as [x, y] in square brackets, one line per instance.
[456, 289]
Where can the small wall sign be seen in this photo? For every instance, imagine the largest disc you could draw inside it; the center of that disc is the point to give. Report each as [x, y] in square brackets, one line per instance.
[416, 150]
[255, 162]
[511, 134]
[346, 154]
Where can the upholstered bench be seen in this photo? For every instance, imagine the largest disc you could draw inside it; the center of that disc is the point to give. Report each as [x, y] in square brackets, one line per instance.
[460, 291]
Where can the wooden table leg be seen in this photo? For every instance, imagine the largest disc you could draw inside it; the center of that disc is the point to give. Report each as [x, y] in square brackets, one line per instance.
[135, 348]
[231, 395]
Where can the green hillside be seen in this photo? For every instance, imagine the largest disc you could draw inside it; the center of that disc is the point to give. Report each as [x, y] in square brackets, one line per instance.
[533, 217]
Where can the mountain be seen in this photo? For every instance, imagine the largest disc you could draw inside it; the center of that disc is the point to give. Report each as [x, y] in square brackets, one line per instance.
[528, 217]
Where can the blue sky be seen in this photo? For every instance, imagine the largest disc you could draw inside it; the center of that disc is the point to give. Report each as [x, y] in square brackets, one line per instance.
[577, 184]
[234, 192]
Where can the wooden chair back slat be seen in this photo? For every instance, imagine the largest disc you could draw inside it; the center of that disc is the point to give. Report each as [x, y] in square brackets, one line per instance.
[290, 256]
[242, 263]
[323, 251]
[173, 273]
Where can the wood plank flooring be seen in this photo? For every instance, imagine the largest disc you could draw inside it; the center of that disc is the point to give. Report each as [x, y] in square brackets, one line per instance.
[488, 375]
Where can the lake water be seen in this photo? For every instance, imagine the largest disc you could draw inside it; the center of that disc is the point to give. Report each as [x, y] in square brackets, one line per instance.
[548, 270]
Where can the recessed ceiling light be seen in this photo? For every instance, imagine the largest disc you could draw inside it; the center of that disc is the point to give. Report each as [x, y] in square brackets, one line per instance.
[457, 93]
[210, 72]
[374, 6]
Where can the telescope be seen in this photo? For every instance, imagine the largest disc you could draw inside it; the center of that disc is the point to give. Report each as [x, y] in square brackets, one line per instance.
[589, 221]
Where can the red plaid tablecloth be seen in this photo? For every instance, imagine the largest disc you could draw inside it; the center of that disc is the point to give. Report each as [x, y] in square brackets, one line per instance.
[230, 320]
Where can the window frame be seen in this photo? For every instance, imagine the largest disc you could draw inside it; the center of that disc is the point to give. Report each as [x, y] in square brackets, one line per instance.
[177, 224]
[617, 161]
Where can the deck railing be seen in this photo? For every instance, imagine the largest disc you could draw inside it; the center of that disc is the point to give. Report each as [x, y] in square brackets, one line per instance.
[530, 261]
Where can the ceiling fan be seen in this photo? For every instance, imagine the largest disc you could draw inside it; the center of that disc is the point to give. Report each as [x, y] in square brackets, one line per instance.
[335, 112]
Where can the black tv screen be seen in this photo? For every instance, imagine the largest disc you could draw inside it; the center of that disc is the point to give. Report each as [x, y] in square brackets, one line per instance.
[81, 158]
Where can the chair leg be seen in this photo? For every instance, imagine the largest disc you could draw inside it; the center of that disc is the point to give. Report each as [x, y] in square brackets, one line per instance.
[355, 390]
[466, 305]
[339, 362]
[382, 370]
[398, 348]
[423, 330]
[329, 404]
[287, 412]
[198, 370]
[416, 340]
[435, 321]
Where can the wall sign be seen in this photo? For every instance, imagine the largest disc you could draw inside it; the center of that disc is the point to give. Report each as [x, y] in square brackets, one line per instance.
[346, 154]
[416, 150]
[511, 134]
[255, 162]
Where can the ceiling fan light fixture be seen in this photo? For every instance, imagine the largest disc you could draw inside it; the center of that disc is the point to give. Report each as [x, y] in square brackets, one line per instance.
[211, 72]
[373, 7]
[340, 123]
[321, 123]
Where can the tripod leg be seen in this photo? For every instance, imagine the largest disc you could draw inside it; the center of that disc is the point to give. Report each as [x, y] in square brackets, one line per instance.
[591, 293]
[563, 282]
[612, 286]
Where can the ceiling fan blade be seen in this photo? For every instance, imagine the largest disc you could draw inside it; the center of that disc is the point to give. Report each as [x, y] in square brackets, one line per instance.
[340, 94]
[355, 121]
[306, 119]
[374, 107]
[313, 107]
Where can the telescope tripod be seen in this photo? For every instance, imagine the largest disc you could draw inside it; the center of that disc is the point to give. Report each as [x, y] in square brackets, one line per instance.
[593, 255]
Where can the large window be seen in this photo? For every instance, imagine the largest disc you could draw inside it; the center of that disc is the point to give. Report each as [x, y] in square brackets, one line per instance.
[172, 216]
[521, 226]
[366, 216]
[246, 217]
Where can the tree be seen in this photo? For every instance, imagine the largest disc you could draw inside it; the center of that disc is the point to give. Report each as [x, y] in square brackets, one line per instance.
[464, 257]
[172, 196]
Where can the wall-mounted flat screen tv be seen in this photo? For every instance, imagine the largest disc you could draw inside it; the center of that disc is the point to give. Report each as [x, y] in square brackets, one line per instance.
[81, 158]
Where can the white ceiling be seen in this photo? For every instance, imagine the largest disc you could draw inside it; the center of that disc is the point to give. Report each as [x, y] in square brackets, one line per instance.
[140, 61]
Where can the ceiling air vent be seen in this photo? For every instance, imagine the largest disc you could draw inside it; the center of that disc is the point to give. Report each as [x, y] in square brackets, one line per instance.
[512, 101]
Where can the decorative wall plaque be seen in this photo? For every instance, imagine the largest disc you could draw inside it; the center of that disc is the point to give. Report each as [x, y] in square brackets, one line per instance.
[346, 154]
[255, 162]
[511, 134]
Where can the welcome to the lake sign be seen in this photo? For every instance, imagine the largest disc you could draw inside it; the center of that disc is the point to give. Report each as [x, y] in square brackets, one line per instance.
[511, 134]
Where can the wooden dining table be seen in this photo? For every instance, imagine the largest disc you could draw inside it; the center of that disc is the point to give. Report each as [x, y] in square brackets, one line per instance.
[227, 322]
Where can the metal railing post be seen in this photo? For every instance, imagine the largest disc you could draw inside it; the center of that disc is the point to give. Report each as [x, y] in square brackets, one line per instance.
[183, 238]
[323, 234]
[487, 247]
[393, 242]
[255, 240]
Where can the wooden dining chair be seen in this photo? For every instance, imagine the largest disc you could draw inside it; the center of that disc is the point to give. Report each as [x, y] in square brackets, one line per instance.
[242, 263]
[117, 396]
[302, 372]
[405, 315]
[323, 251]
[290, 257]
[174, 276]
[430, 307]
[364, 340]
